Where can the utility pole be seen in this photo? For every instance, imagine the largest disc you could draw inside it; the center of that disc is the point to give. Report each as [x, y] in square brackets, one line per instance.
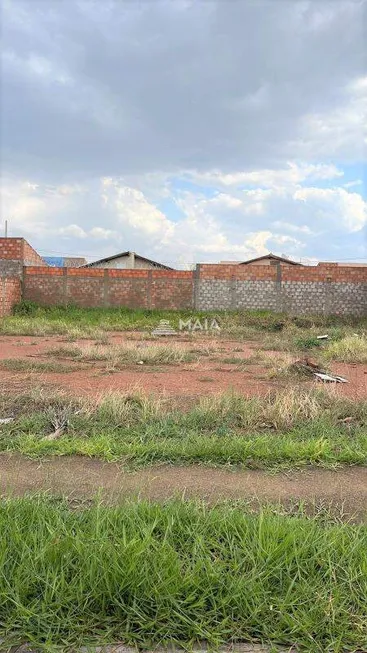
[6, 228]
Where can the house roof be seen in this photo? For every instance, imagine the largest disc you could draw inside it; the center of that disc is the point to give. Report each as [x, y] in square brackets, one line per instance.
[273, 257]
[121, 254]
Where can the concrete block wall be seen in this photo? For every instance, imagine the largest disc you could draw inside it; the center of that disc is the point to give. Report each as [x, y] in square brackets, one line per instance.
[325, 288]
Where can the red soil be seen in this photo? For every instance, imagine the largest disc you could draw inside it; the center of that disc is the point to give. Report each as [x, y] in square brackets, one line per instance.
[208, 375]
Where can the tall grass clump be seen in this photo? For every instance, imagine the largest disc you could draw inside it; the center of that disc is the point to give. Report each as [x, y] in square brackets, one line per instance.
[148, 574]
[351, 349]
[125, 354]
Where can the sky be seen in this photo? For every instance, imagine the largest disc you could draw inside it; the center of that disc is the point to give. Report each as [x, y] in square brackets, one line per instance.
[185, 130]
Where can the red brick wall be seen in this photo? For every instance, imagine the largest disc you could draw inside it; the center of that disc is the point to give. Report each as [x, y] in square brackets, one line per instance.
[10, 294]
[11, 249]
[107, 287]
[322, 272]
[218, 271]
[30, 256]
[17, 249]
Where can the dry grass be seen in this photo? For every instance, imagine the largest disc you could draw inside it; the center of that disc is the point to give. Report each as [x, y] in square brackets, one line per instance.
[118, 355]
[26, 365]
[281, 410]
[286, 429]
[351, 349]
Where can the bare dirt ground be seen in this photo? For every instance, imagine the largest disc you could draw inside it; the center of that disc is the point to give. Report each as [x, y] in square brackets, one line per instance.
[210, 374]
[343, 491]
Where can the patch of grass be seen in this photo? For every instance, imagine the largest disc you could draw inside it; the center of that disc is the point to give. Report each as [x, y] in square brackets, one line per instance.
[180, 573]
[124, 354]
[292, 428]
[308, 342]
[30, 319]
[26, 365]
[233, 360]
[351, 349]
[42, 326]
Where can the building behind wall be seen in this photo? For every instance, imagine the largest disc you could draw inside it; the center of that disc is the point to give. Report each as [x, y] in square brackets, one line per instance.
[127, 261]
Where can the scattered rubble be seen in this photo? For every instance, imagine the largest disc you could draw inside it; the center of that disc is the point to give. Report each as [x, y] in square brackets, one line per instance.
[308, 367]
[6, 420]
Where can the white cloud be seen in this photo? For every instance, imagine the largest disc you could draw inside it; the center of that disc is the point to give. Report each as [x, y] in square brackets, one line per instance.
[72, 230]
[293, 174]
[132, 208]
[341, 132]
[100, 233]
[108, 215]
[335, 205]
[288, 226]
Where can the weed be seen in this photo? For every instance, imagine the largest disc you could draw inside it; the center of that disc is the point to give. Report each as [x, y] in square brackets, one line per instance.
[308, 342]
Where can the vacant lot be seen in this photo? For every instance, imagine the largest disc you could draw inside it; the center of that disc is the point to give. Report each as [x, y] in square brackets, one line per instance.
[93, 404]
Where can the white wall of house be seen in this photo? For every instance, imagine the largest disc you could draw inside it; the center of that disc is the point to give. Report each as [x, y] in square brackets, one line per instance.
[128, 262]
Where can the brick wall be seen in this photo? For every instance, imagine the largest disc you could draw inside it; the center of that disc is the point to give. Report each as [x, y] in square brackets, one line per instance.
[30, 256]
[14, 254]
[299, 290]
[10, 294]
[97, 287]
[325, 288]
[17, 249]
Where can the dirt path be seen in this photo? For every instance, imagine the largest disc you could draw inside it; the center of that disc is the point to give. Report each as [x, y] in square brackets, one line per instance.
[81, 478]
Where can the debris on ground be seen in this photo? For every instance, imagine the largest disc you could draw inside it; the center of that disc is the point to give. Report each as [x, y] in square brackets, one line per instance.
[164, 329]
[308, 367]
[6, 420]
[325, 337]
[328, 378]
[305, 366]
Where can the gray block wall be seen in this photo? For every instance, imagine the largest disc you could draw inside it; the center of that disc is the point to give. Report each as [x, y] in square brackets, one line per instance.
[297, 297]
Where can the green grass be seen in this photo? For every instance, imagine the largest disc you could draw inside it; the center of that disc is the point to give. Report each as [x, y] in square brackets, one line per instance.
[351, 349]
[71, 321]
[149, 574]
[291, 429]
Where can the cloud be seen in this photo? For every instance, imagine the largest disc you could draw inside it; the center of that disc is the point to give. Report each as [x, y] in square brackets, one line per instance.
[293, 174]
[335, 204]
[167, 128]
[133, 88]
[72, 230]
